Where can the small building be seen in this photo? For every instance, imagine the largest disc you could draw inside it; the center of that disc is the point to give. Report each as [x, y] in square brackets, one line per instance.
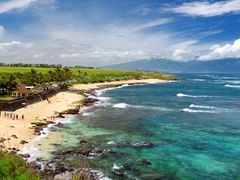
[57, 85]
[21, 91]
[30, 88]
[45, 87]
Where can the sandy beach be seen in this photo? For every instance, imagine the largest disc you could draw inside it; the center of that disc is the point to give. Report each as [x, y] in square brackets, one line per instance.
[16, 131]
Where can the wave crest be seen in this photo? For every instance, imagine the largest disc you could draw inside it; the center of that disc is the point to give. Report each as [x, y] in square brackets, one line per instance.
[232, 86]
[197, 110]
[192, 96]
[124, 105]
[120, 105]
[201, 106]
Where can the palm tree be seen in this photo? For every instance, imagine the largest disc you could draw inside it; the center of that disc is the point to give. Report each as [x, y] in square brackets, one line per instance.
[59, 75]
[33, 76]
[67, 73]
[51, 76]
[11, 82]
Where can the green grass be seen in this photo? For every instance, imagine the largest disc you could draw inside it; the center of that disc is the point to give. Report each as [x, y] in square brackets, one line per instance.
[5, 97]
[13, 167]
[91, 75]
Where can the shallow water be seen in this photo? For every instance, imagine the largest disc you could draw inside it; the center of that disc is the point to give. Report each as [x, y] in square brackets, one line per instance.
[194, 126]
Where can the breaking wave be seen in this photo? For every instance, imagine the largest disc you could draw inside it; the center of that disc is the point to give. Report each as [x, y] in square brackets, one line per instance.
[198, 110]
[232, 86]
[124, 105]
[192, 96]
[201, 106]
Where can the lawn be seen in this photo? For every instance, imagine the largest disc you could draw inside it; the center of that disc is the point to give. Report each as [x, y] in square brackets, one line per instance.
[5, 97]
[91, 75]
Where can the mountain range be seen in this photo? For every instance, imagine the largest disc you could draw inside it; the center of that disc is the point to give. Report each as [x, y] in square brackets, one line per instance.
[162, 65]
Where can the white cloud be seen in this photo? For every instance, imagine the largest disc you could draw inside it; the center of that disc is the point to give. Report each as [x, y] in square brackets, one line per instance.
[9, 44]
[154, 23]
[73, 55]
[81, 43]
[181, 54]
[2, 31]
[208, 9]
[225, 51]
[14, 4]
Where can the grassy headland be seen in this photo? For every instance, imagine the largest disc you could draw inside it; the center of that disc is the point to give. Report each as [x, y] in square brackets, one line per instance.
[82, 75]
[15, 168]
[11, 76]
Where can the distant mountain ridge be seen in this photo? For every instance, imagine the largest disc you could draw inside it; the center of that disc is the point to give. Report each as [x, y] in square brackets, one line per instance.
[214, 66]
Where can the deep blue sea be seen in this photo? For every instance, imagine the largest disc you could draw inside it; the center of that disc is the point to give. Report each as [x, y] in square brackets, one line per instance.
[188, 129]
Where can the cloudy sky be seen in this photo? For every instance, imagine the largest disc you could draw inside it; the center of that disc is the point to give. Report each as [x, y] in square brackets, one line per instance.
[101, 32]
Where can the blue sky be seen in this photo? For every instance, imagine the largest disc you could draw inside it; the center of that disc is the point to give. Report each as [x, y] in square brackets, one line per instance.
[101, 32]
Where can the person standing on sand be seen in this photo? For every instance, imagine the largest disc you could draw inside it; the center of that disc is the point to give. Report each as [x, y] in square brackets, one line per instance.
[23, 116]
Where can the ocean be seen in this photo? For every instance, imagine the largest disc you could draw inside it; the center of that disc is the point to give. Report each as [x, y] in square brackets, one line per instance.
[187, 129]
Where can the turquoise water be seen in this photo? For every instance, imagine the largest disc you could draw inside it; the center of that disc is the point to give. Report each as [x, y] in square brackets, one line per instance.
[194, 126]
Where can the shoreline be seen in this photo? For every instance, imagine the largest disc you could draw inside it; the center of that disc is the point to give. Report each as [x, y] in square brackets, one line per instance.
[39, 115]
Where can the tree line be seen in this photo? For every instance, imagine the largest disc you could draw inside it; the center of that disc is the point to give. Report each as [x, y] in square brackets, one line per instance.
[32, 65]
[42, 65]
[9, 81]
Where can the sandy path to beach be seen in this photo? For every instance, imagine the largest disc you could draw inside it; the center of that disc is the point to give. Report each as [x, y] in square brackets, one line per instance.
[42, 111]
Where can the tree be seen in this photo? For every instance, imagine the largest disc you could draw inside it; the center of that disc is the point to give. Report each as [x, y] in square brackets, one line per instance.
[67, 74]
[58, 74]
[11, 82]
[51, 76]
[33, 76]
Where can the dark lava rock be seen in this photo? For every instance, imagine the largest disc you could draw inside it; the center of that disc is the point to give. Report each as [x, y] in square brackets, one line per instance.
[97, 150]
[23, 142]
[156, 176]
[60, 115]
[83, 142]
[2, 140]
[146, 162]
[152, 176]
[119, 171]
[71, 111]
[142, 144]
[25, 156]
[14, 136]
[89, 101]
[48, 169]
[59, 125]
[110, 151]
[35, 166]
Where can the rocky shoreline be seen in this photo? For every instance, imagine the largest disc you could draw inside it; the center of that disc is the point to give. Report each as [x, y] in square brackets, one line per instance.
[57, 170]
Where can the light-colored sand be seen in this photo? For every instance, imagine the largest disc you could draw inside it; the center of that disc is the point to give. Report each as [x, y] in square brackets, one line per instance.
[42, 111]
[113, 83]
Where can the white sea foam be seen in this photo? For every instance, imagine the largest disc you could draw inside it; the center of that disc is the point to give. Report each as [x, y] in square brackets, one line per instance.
[229, 77]
[199, 80]
[206, 75]
[125, 85]
[31, 148]
[233, 82]
[111, 142]
[125, 105]
[87, 113]
[103, 98]
[201, 106]
[116, 167]
[232, 86]
[197, 110]
[192, 96]
[101, 91]
[120, 105]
